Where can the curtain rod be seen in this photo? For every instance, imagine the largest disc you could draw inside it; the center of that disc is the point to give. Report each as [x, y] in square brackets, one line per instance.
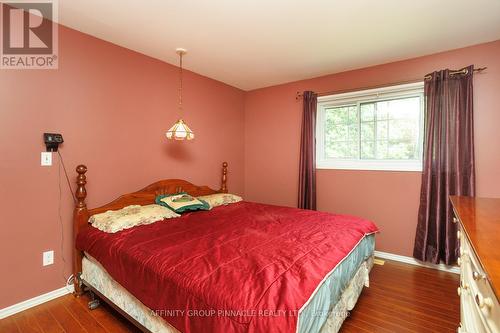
[463, 71]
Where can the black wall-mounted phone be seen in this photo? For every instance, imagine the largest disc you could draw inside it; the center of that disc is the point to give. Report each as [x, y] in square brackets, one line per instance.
[52, 141]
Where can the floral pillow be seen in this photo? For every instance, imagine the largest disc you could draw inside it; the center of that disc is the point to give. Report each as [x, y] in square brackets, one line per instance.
[220, 199]
[116, 220]
[181, 202]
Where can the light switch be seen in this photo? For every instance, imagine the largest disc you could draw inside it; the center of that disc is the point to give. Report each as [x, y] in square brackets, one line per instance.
[48, 258]
[46, 158]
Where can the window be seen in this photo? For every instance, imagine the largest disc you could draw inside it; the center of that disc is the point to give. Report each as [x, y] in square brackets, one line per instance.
[376, 129]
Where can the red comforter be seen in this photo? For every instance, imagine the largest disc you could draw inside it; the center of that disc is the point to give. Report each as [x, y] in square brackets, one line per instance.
[245, 267]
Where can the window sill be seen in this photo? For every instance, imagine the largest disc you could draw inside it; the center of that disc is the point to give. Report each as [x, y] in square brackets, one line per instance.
[409, 166]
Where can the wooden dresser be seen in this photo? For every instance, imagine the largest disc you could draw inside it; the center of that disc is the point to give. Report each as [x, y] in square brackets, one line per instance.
[479, 261]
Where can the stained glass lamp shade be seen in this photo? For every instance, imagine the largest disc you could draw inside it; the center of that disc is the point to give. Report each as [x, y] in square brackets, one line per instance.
[180, 131]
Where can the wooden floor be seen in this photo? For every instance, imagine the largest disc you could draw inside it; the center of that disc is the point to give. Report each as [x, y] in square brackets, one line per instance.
[401, 298]
[404, 298]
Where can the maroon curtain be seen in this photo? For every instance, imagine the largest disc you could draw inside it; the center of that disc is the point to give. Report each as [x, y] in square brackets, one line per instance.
[307, 166]
[448, 163]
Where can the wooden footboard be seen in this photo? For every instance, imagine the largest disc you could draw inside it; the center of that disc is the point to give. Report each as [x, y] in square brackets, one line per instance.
[145, 196]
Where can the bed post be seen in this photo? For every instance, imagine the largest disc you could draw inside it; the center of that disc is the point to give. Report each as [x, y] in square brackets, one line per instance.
[223, 187]
[80, 218]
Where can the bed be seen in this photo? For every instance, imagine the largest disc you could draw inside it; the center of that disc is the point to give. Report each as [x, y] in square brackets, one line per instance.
[244, 267]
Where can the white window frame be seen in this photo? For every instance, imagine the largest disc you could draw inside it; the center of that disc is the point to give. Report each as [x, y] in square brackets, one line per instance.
[358, 97]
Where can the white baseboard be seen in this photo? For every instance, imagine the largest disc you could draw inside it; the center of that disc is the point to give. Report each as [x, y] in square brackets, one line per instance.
[13, 309]
[413, 261]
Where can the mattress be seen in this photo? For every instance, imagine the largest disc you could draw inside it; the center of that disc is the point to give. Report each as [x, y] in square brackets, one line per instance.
[324, 312]
[245, 267]
[255, 265]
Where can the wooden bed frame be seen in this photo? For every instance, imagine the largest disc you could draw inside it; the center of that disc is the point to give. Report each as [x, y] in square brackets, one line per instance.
[145, 196]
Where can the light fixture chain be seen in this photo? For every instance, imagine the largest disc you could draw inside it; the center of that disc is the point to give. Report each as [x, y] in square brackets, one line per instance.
[180, 80]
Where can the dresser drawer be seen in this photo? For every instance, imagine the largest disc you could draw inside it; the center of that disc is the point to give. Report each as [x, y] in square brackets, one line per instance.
[480, 310]
[484, 299]
[471, 321]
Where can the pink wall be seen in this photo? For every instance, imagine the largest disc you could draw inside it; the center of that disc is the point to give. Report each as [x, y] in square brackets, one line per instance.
[272, 129]
[113, 107]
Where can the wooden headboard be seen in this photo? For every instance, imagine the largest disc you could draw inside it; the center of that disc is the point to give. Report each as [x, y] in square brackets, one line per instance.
[142, 197]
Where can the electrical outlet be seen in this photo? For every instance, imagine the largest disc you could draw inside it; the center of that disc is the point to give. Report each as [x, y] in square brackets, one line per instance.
[46, 159]
[48, 258]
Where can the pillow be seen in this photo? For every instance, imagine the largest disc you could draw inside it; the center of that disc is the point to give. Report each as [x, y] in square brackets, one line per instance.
[220, 199]
[116, 220]
[181, 202]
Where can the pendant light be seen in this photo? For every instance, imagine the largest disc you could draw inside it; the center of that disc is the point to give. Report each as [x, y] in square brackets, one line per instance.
[180, 130]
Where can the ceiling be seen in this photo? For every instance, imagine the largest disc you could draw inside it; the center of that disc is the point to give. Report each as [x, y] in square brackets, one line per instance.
[253, 44]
